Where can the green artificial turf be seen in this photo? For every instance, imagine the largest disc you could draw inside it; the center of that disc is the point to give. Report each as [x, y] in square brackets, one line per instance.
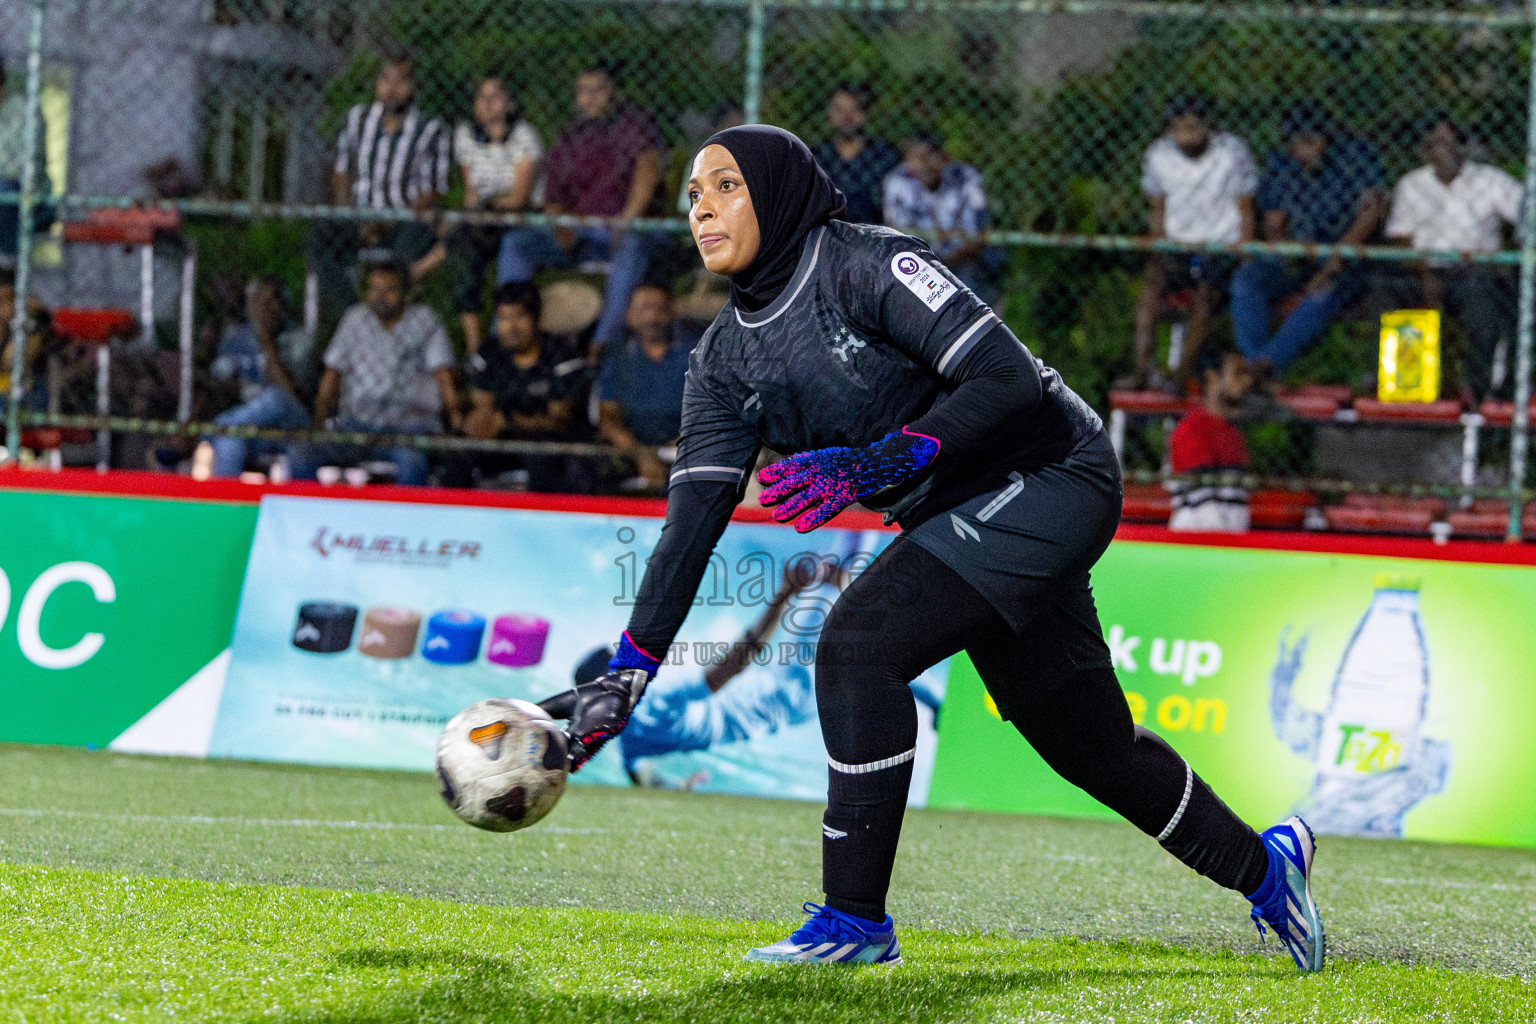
[149, 889]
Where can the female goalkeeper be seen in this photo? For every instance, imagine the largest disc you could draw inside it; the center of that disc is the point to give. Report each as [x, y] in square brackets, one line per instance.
[853, 347]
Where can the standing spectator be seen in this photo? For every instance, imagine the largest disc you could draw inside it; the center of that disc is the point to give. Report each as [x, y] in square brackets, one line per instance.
[389, 369]
[1459, 204]
[526, 390]
[13, 148]
[1325, 187]
[929, 191]
[1206, 442]
[640, 388]
[500, 157]
[274, 361]
[856, 162]
[606, 165]
[1199, 186]
[389, 156]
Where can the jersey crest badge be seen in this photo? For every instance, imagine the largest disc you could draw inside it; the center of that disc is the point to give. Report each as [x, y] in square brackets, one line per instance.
[932, 287]
[847, 341]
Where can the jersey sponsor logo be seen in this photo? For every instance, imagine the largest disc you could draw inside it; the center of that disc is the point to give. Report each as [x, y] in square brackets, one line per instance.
[922, 280]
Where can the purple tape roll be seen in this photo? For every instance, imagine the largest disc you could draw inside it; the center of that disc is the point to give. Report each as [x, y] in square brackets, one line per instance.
[517, 641]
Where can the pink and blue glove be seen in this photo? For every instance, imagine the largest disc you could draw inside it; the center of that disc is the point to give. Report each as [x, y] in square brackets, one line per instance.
[814, 486]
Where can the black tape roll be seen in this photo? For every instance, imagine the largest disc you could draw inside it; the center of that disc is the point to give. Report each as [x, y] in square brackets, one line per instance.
[324, 627]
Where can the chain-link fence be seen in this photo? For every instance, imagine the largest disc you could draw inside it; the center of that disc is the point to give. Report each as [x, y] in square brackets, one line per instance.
[1140, 188]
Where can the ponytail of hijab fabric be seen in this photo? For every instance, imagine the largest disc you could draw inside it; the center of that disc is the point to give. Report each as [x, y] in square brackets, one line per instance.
[791, 196]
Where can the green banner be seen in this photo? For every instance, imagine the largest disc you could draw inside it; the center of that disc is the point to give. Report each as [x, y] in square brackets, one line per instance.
[107, 605]
[1376, 696]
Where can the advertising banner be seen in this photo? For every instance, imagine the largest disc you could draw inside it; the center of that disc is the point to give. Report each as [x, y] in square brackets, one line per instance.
[364, 626]
[109, 605]
[1377, 696]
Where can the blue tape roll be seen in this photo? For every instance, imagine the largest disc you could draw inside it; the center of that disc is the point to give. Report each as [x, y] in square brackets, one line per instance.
[453, 637]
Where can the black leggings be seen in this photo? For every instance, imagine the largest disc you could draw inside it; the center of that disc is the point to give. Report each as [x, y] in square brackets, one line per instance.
[909, 611]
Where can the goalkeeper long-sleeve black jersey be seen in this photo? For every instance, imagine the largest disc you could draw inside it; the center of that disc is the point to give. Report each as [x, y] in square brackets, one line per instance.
[871, 334]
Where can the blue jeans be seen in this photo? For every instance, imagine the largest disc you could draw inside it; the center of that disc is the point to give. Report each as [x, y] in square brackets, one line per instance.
[1266, 279]
[410, 463]
[273, 407]
[525, 250]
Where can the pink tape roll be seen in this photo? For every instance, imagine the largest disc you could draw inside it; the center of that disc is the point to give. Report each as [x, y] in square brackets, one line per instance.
[517, 641]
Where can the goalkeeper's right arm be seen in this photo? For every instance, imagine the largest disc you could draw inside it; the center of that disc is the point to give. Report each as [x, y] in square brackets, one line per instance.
[697, 514]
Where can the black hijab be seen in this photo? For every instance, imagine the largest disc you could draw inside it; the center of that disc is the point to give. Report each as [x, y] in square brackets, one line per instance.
[791, 194]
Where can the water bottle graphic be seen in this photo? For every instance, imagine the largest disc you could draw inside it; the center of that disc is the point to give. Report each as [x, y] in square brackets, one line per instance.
[1373, 763]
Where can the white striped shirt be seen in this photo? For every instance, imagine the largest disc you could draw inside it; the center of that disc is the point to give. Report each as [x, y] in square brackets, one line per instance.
[392, 169]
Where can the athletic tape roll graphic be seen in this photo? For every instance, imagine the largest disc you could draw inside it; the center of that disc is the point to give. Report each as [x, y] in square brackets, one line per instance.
[324, 627]
[517, 641]
[453, 637]
[389, 632]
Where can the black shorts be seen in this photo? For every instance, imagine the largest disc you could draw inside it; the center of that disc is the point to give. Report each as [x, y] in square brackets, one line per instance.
[1028, 546]
[1184, 271]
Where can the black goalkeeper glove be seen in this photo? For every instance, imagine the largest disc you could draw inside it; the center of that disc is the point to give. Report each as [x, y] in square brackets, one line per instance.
[597, 711]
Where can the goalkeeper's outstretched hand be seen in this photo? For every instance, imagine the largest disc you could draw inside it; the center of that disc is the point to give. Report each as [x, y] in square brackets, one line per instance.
[598, 710]
[812, 487]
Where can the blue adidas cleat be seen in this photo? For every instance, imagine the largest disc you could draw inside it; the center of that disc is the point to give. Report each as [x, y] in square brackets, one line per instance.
[832, 937]
[1284, 901]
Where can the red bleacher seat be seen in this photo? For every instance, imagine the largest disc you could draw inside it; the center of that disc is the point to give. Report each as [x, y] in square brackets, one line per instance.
[1383, 513]
[1146, 503]
[1156, 403]
[93, 325]
[1502, 414]
[132, 226]
[1488, 518]
[1444, 411]
[1309, 406]
[1279, 510]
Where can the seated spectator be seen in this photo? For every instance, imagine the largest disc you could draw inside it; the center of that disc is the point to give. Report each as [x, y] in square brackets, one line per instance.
[389, 156]
[13, 150]
[930, 192]
[500, 157]
[1199, 185]
[640, 388]
[274, 362]
[34, 372]
[526, 390]
[1205, 442]
[389, 369]
[856, 162]
[1325, 187]
[606, 165]
[1459, 204]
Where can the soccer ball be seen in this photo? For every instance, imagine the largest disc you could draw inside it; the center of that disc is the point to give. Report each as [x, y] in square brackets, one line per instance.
[501, 764]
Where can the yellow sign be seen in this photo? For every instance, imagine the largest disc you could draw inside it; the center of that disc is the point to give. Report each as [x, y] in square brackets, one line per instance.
[1410, 356]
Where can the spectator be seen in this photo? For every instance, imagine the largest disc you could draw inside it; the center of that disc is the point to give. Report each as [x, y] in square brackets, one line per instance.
[1199, 185]
[929, 191]
[1205, 442]
[1452, 203]
[389, 369]
[500, 157]
[1326, 187]
[526, 390]
[274, 362]
[13, 149]
[606, 165]
[640, 388]
[389, 156]
[856, 162]
[34, 372]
